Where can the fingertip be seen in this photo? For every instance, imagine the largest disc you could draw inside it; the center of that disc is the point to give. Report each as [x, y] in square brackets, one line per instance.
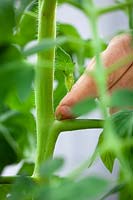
[63, 112]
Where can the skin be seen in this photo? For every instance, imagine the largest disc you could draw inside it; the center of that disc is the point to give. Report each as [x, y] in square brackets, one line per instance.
[119, 48]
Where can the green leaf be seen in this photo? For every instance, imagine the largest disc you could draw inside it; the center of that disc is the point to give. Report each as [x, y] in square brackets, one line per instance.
[127, 191]
[122, 98]
[23, 188]
[6, 134]
[7, 20]
[17, 139]
[26, 169]
[88, 188]
[7, 153]
[44, 45]
[22, 129]
[75, 42]
[77, 3]
[61, 90]
[107, 157]
[55, 188]
[68, 30]
[15, 103]
[9, 53]
[64, 63]
[89, 51]
[48, 168]
[64, 68]
[21, 6]
[113, 190]
[123, 123]
[76, 46]
[84, 106]
[127, 152]
[119, 1]
[123, 126]
[7, 115]
[69, 81]
[24, 34]
[16, 76]
[5, 191]
[7, 144]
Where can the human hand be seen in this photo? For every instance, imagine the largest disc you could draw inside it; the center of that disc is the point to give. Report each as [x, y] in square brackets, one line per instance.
[122, 78]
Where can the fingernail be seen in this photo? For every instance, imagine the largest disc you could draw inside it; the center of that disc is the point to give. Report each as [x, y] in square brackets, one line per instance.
[64, 112]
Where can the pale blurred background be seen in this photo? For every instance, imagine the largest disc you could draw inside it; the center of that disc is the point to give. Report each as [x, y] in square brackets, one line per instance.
[77, 146]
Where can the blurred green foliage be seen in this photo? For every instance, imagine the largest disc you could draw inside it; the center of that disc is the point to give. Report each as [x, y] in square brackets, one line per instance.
[17, 124]
[52, 187]
[18, 29]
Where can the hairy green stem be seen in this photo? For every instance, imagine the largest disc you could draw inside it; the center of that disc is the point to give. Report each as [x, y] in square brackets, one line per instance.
[44, 78]
[99, 73]
[69, 125]
[130, 10]
[113, 8]
[100, 77]
[130, 16]
[104, 10]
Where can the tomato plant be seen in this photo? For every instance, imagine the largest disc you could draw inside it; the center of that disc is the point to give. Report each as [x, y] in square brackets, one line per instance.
[28, 100]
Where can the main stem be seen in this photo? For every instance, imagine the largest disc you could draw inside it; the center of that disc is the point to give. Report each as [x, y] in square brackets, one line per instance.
[44, 79]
